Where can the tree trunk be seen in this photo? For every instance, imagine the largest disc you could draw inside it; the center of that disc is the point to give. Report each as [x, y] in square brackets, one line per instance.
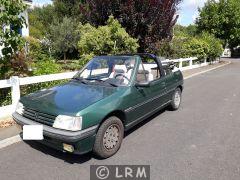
[65, 57]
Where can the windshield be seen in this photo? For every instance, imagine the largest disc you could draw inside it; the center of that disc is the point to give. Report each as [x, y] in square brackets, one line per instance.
[113, 70]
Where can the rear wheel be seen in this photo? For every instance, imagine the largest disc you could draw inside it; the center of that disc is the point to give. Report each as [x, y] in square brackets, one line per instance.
[109, 137]
[176, 99]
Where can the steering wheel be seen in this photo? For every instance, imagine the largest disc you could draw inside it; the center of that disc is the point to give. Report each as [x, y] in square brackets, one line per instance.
[125, 77]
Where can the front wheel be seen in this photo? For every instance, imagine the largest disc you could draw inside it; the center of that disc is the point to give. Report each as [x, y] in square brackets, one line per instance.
[176, 99]
[109, 137]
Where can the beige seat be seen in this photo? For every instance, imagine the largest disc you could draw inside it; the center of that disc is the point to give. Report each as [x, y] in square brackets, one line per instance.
[149, 72]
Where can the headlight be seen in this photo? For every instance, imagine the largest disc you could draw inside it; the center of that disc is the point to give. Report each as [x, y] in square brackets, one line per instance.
[68, 123]
[19, 108]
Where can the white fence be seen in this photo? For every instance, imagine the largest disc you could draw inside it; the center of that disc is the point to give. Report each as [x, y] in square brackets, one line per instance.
[15, 82]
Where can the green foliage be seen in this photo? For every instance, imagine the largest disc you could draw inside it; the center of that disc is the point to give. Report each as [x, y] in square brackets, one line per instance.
[40, 19]
[190, 30]
[215, 48]
[64, 36]
[66, 8]
[34, 47]
[194, 47]
[36, 87]
[109, 39]
[187, 43]
[221, 18]
[43, 67]
[150, 21]
[48, 66]
[72, 65]
[5, 97]
[37, 51]
[184, 47]
[10, 39]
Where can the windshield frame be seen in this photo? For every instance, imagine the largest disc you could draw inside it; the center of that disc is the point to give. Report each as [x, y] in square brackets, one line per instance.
[133, 75]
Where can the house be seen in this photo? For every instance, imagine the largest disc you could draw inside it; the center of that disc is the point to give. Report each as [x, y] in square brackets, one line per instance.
[25, 30]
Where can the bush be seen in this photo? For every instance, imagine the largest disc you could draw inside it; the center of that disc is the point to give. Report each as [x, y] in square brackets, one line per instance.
[37, 51]
[185, 44]
[195, 47]
[184, 47]
[109, 39]
[44, 67]
[34, 46]
[71, 65]
[215, 48]
[48, 66]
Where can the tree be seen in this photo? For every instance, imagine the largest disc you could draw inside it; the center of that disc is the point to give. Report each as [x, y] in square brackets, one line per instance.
[221, 18]
[187, 46]
[190, 30]
[40, 19]
[215, 48]
[64, 37]
[108, 39]
[150, 21]
[10, 39]
[188, 43]
[70, 9]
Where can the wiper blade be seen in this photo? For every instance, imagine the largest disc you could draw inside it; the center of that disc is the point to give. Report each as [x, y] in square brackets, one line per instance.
[92, 79]
[114, 85]
[80, 79]
[100, 80]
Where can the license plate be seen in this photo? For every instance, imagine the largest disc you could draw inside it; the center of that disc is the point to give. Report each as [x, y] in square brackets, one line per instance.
[33, 132]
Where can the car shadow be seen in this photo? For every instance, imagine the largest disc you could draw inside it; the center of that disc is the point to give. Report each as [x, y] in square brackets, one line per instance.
[80, 159]
[142, 123]
[66, 157]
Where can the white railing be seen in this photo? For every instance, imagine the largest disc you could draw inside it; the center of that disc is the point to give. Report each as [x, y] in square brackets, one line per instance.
[15, 82]
[189, 63]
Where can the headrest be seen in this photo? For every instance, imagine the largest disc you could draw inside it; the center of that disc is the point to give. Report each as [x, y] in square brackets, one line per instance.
[120, 71]
[143, 72]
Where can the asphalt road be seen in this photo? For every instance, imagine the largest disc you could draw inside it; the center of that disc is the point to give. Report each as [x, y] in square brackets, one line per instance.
[200, 141]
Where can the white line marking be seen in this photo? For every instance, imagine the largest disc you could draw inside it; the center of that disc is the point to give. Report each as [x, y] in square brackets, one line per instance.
[15, 139]
[202, 72]
[9, 141]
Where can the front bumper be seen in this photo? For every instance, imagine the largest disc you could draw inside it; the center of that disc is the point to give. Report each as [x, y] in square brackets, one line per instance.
[81, 140]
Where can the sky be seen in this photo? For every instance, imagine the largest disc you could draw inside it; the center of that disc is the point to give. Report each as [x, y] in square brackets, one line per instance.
[188, 10]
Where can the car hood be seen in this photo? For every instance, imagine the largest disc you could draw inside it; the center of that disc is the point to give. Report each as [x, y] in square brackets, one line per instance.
[69, 98]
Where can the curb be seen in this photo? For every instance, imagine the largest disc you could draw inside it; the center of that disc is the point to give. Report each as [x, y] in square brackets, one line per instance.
[15, 139]
[9, 141]
[202, 72]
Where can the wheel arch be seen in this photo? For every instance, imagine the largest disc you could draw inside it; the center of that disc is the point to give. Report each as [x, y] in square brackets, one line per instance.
[181, 87]
[118, 113]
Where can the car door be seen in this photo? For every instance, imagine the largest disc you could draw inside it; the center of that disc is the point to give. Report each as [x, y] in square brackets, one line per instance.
[172, 81]
[147, 100]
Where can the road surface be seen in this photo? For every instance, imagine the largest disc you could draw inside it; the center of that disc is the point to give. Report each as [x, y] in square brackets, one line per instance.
[200, 141]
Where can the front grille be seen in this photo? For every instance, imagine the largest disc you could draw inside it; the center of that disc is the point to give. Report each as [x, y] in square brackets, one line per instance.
[39, 117]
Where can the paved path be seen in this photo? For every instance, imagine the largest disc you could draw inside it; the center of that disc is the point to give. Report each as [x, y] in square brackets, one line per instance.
[200, 141]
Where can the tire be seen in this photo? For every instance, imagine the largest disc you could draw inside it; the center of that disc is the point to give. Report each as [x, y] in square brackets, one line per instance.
[109, 138]
[176, 103]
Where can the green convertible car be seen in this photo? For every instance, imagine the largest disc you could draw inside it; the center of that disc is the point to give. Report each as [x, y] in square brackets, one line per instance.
[107, 97]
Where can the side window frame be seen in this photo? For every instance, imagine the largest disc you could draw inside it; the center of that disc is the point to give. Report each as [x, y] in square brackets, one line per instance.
[144, 72]
[160, 71]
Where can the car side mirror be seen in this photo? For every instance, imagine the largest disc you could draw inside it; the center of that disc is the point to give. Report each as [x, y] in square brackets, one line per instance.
[143, 84]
